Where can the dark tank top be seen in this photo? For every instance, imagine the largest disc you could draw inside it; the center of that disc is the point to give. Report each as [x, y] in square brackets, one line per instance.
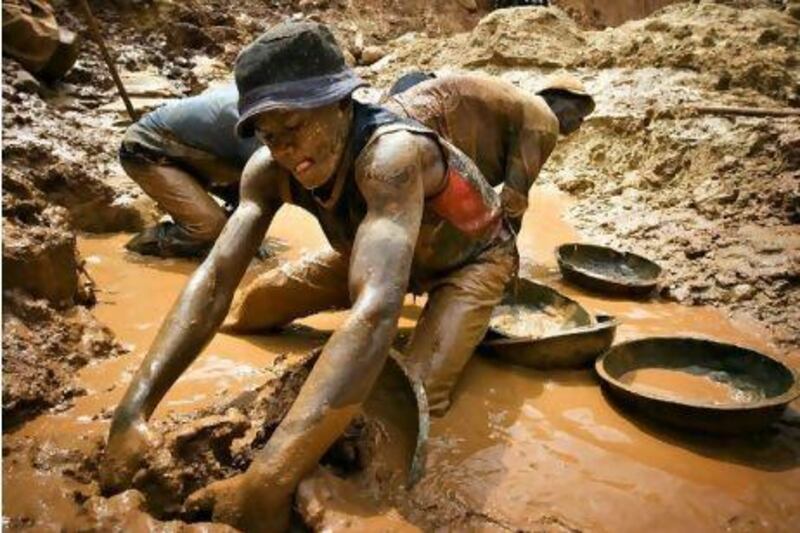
[459, 221]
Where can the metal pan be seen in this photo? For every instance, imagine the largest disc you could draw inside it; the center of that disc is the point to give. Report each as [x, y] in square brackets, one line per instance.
[761, 387]
[606, 270]
[563, 333]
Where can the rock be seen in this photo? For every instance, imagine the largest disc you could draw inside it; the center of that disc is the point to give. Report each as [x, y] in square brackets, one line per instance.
[371, 55]
[41, 261]
[743, 291]
[576, 184]
[328, 503]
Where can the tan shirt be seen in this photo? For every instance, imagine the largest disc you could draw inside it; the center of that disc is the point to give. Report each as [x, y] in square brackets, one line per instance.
[508, 132]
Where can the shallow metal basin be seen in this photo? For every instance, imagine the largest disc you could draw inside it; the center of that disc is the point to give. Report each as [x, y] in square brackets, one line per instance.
[606, 270]
[572, 337]
[761, 386]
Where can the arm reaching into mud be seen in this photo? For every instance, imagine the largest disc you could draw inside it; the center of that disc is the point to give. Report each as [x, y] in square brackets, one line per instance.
[193, 320]
[392, 176]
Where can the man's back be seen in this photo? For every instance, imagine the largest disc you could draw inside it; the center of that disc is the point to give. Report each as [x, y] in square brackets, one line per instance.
[205, 122]
[489, 119]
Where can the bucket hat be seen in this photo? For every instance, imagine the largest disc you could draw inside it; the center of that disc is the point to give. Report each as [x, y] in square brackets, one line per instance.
[293, 65]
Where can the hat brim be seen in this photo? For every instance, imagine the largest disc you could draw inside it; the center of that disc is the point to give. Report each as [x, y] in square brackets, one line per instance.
[301, 94]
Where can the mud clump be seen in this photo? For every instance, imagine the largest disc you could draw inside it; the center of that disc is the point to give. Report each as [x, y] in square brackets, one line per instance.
[42, 349]
[221, 441]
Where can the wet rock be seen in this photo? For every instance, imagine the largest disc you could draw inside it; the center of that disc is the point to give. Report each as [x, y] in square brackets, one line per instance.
[743, 291]
[41, 261]
[328, 503]
[577, 184]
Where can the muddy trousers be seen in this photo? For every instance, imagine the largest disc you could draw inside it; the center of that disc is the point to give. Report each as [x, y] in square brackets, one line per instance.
[453, 322]
[180, 194]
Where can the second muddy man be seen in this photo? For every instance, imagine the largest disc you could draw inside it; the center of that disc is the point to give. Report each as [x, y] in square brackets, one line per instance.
[403, 209]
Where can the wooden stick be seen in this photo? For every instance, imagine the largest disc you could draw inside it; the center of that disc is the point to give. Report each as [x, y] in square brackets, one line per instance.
[94, 29]
[746, 111]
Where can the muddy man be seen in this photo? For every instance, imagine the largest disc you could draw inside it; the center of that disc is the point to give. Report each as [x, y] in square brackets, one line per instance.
[403, 209]
[508, 132]
[181, 154]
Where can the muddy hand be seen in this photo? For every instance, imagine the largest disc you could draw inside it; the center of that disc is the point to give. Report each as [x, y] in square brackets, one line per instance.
[125, 451]
[242, 503]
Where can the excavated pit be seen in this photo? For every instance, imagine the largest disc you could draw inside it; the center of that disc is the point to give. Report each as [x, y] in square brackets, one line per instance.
[713, 198]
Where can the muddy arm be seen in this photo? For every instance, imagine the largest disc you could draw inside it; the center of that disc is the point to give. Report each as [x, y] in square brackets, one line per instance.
[195, 317]
[391, 176]
[526, 157]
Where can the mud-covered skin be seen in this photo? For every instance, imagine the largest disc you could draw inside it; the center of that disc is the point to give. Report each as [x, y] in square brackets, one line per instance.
[308, 143]
[394, 174]
[508, 132]
[195, 317]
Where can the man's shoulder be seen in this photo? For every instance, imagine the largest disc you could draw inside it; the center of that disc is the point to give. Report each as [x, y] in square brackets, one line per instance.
[263, 177]
[394, 154]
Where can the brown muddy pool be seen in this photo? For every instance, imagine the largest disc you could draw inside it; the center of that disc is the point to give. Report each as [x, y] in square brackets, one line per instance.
[529, 450]
[691, 384]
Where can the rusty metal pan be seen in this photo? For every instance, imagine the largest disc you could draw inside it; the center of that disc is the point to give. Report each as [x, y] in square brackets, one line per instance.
[538, 327]
[606, 270]
[760, 387]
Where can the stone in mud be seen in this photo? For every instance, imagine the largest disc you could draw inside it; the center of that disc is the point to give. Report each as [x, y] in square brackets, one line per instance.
[41, 261]
[370, 55]
[328, 503]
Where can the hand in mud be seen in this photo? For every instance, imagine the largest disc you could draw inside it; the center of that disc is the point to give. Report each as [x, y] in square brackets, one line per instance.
[243, 502]
[125, 451]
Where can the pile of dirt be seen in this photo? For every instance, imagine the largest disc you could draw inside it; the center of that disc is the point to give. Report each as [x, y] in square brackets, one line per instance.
[729, 48]
[219, 442]
[734, 48]
[216, 443]
[42, 350]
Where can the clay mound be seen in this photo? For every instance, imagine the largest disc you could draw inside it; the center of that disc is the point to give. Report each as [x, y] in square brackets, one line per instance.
[42, 349]
[524, 37]
[730, 48]
[737, 47]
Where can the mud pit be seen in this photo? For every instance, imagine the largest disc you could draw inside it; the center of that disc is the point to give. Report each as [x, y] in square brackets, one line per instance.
[714, 199]
[519, 449]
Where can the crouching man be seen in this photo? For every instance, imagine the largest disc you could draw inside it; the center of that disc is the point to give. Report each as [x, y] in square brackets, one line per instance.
[508, 132]
[181, 154]
[403, 209]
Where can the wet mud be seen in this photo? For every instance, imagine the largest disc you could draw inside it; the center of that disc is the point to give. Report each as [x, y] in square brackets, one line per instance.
[519, 449]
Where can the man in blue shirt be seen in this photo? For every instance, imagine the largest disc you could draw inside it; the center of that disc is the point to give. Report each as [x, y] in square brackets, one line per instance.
[181, 154]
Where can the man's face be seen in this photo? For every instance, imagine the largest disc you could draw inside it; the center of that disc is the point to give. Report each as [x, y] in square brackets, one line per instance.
[309, 143]
[570, 112]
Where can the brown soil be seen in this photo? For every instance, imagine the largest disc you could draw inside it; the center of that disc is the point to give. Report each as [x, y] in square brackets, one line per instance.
[42, 349]
[714, 199]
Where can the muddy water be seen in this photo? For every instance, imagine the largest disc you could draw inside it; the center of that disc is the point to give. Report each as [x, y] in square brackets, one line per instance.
[669, 383]
[525, 448]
